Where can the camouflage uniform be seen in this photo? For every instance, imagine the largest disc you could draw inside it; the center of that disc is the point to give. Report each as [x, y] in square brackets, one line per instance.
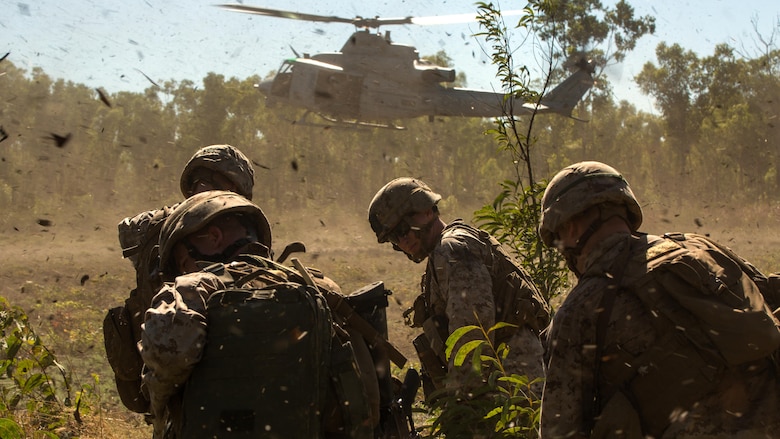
[469, 280]
[618, 367]
[174, 332]
[636, 330]
[460, 289]
[138, 237]
[173, 337]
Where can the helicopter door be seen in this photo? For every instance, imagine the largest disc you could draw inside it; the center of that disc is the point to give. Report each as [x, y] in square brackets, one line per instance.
[338, 94]
[302, 87]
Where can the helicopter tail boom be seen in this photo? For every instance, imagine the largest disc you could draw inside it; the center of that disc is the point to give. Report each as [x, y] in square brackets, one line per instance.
[563, 98]
[479, 103]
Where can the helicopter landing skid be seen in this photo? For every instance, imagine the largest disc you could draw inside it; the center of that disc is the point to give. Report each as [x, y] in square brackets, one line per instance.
[338, 123]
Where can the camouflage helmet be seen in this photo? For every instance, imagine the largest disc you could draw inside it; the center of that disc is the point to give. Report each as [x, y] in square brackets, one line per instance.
[197, 211]
[397, 199]
[224, 159]
[579, 187]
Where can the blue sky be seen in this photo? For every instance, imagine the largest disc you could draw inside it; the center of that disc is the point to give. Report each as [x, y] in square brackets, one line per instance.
[104, 43]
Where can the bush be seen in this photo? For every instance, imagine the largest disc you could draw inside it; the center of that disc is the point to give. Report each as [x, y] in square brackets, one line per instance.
[503, 406]
[35, 389]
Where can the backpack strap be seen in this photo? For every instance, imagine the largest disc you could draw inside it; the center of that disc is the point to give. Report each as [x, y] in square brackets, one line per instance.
[591, 397]
[346, 378]
[339, 305]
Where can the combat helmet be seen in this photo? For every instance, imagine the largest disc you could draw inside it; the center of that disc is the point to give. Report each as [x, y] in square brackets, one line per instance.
[396, 200]
[197, 211]
[579, 187]
[224, 159]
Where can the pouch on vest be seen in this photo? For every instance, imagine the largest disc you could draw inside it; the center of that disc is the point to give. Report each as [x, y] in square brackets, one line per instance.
[618, 420]
[121, 339]
[517, 299]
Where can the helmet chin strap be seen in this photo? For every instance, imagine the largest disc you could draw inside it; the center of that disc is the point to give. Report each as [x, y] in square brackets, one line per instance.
[420, 232]
[573, 253]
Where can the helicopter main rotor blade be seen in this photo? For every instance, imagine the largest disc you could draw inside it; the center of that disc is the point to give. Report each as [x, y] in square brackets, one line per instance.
[283, 14]
[360, 21]
[457, 18]
[357, 21]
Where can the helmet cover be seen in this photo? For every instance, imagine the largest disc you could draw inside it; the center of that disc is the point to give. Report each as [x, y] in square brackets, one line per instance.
[226, 160]
[397, 199]
[199, 210]
[580, 186]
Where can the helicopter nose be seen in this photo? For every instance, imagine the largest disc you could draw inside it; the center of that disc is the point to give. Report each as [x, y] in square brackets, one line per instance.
[264, 87]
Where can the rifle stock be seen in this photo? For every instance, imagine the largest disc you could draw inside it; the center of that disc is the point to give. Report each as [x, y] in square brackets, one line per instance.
[432, 365]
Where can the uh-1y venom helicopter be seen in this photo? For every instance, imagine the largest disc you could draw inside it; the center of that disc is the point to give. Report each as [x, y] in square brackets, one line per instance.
[373, 81]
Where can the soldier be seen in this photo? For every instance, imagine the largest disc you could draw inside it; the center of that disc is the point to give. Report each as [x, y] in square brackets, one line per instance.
[664, 337]
[222, 232]
[212, 167]
[469, 280]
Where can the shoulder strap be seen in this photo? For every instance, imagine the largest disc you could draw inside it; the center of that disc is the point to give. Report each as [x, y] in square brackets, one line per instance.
[339, 305]
[591, 397]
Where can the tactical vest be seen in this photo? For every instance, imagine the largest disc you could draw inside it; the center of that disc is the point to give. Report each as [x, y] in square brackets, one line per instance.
[710, 318]
[516, 298]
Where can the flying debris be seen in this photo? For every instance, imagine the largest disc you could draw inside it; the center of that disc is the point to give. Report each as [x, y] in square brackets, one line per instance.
[60, 141]
[103, 97]
[148, 79]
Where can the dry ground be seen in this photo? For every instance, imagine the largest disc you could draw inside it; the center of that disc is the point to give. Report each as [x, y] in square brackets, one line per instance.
[66, 275]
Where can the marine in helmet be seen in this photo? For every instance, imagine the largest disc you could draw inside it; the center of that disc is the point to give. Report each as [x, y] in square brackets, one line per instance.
[624, 359]
[220, 167]
[208, 229]
[469, 280]
[211, 226]
[213, 167]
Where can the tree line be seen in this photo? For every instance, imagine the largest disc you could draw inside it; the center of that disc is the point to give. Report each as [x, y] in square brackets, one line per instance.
[69, 146]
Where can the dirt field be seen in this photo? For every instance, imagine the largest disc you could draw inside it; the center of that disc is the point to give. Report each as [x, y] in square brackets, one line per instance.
[67, 274]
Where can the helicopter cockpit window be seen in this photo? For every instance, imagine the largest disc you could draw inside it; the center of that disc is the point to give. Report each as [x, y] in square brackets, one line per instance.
[281, 84]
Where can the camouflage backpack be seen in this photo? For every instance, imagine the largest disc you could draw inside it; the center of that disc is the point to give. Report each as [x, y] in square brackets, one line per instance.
[274, 364]
[711, 316]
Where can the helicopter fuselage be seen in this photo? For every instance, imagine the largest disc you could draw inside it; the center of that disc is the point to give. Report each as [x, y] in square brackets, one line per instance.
[372, 79]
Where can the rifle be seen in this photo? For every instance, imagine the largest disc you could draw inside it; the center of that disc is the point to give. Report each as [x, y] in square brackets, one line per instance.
[399, 423]
[433, 369]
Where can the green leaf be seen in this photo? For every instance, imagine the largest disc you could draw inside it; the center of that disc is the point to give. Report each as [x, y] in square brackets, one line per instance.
[456, 335]
[10, 429]
[465, 350]
[33, 382]
[13, 346]
[500, 325]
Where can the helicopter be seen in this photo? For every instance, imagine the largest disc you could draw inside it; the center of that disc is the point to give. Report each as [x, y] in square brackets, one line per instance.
[373, 80]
